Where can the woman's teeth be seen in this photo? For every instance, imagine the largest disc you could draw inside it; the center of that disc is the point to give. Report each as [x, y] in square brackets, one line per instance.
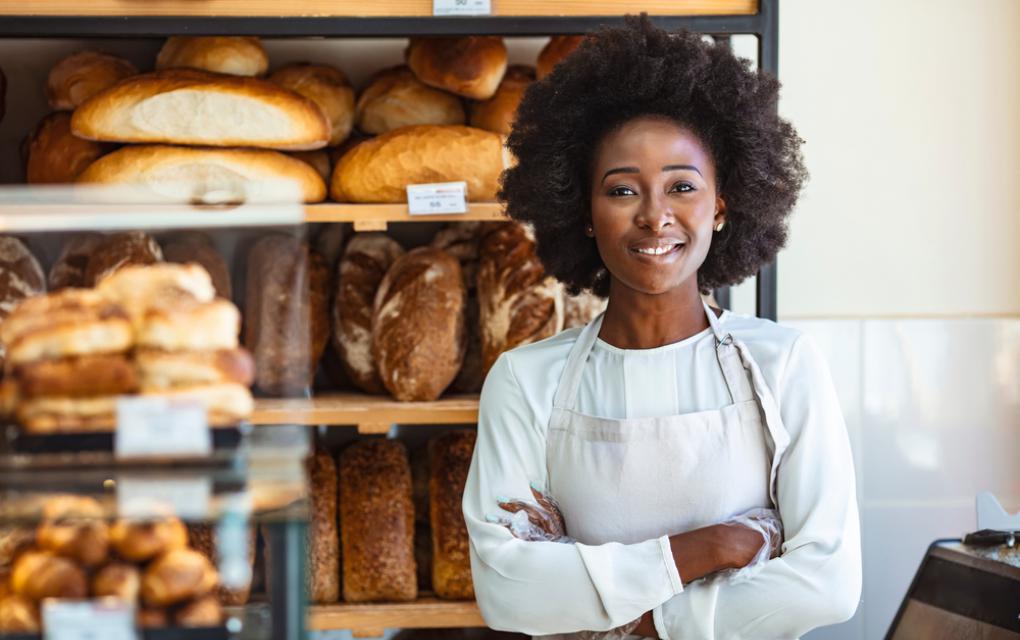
[657, 251]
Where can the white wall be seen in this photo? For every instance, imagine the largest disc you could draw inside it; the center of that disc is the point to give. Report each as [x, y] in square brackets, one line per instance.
[911, 113]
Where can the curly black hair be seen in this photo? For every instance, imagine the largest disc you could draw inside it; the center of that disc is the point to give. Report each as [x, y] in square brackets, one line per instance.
[636, 70]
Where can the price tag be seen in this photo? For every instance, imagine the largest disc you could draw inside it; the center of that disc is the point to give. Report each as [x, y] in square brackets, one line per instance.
[461, 7]
[159, 427]
[144, 498]
[436, 198]
[104, 619]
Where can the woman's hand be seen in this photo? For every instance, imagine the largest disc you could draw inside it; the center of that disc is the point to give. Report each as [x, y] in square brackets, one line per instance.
[754, 538]
[542, 521]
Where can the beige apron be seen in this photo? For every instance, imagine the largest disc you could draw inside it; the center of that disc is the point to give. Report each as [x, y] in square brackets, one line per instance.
[629, 480]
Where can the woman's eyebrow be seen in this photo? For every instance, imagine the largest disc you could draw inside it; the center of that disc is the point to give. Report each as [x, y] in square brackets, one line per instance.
[682, 167]
[620, 170]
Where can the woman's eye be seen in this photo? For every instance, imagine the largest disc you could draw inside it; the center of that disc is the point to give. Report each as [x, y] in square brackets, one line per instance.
[621, 191]
[683, 187]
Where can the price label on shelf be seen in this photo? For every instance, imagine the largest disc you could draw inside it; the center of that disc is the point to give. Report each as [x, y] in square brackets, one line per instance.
[436, 198]
[461, 7]
[102, 619]
[144, 497]
[159, 427]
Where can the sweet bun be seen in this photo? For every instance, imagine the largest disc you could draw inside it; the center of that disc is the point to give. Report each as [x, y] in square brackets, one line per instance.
[54, 155]
[178, 576]
[118, 580]
[396, 98]
[328, 88]
[558, 48]
[168, 370]
[203, 612]
[498, 112]
[79, 376]
[38, 575]
[82, 75]
[196, 326]
[469, 66]
[19, 615]
[138, 541]
[233, 55]
[119, 250]
[74, 527]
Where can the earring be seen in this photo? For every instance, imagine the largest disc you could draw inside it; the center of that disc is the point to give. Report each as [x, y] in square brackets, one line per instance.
[719, 226]
[590, 231]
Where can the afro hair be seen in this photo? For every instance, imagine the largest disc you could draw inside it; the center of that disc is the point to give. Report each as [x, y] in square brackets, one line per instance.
[636, 70]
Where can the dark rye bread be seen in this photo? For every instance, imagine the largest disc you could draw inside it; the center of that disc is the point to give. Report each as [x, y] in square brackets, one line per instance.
[21, 277]
[449, 460]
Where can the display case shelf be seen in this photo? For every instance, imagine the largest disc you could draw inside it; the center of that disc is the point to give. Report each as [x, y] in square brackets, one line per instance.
[376, 217]
[370, 414]
[371, 620]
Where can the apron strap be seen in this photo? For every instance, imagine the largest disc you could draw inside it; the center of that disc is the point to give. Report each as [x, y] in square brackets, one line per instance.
[570, 380]
[733, 367]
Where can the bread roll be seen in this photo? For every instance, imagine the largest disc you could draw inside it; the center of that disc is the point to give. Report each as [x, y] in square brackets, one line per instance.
[323, 538]
[138, 541]
[183, 106]
[178, 576]
[203, 612]
[18, 615]
[518, 303]
[74, 527]
[377, 523]
[63, 414]
[379, 170]
[69, 269]
[286, 313]
[327, 87]
[204, 175]
[82, 75]
[38, 575]
[558, 48]
[21, 277]
[140, 289]
[77, 376]
[418, 335]
[470, 66]
[450, 456]
[158, 369]
[317, 159]
[203, 539]
[364, 263]
[462, 240]
[225, 404]
[581, 309]
[13, 541]
[190, 326]
[396, 98]
[197, 247]
[498, 112]
[55, 156]
[233, 55]
[152, 618]
[119, 250]
[118, 580]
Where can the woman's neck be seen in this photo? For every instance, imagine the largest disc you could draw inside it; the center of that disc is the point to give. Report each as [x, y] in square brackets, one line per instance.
[636, 320]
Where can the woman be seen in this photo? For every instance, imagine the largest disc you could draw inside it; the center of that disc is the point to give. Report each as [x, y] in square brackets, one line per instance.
[653, 168]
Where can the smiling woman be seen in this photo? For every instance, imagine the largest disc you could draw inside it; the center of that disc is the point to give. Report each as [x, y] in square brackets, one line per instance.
[668, 470]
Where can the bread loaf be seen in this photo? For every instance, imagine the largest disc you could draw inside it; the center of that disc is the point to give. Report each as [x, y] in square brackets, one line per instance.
[317, 159]
[77, 376]
[21, 277]
[581, 309]
[140, 289]
[233, 55]
[498, 112]
[38, 575]
[225, 404]
[204, 175]
[462, 240]
[190, 326]
[395, 98]
[178, 576]
[158, 369]
[323, 538]
[193, 246]
[119, 250]
[286, 313]
[54, 155]
[140, 541]
[3, 94]
[183, 106]
[74, 527]
[69, 269]
[328, 88]
[118, 580]
[450, 458]
[558, 48]
[379, 170]
[418, 336]
[469, 66]
[518, 303]
[62, 414]
[377, 523]
[365, 261]
[82, 75]
[18, 615]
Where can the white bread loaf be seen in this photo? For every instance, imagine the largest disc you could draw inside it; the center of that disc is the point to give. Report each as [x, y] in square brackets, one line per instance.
[207, 175]
[379, 169]
[469, 66]
[234, 55]
[54, 156]
[395, 98]
[498, 113]
[328, 88]
[185, 106]
[82, 75]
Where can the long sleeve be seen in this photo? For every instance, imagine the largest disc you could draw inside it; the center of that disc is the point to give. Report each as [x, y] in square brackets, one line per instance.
[817, 579]
[545, 588]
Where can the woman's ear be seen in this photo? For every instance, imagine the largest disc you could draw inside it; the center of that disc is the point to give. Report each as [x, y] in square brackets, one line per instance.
[720, 212]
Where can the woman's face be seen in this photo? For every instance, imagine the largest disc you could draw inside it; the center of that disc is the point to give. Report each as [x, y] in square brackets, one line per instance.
[653, 204]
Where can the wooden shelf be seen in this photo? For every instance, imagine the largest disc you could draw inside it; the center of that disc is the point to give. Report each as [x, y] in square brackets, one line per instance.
[371, 414]
[361, 9]
[370, 620]
[375, 217]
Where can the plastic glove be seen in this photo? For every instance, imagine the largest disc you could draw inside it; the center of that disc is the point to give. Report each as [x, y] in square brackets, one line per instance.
[541, 521]
[619, 633]
[770, 526]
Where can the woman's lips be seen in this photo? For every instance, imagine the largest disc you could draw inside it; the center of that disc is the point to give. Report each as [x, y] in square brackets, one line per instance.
[657, 247]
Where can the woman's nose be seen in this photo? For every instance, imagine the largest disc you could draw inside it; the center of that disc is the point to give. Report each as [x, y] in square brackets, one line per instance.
[655, 214]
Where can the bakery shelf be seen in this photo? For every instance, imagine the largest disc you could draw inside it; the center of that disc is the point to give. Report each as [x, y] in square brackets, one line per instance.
[371, 414]
[370, 620]
[375, 217]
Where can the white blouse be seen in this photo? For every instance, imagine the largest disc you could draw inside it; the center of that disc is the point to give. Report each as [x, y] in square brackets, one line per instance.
[545, 588]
